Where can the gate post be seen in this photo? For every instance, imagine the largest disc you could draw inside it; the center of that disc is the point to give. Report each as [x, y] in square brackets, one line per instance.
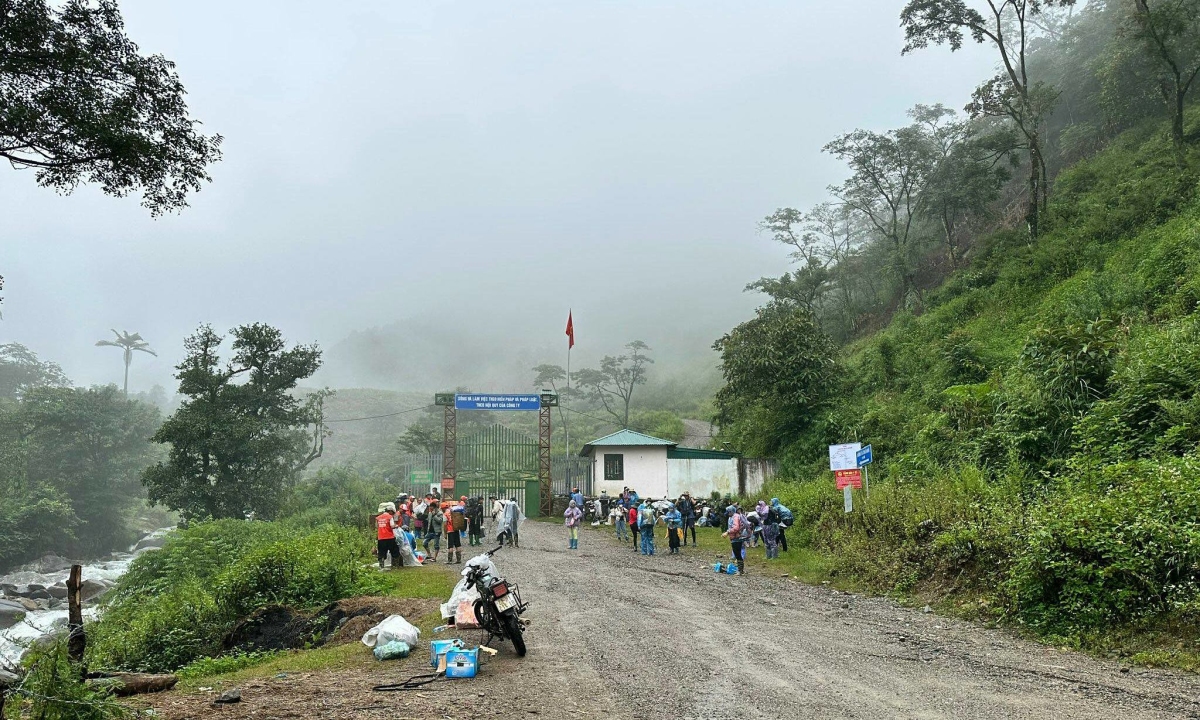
[548, 401]
[450, 438]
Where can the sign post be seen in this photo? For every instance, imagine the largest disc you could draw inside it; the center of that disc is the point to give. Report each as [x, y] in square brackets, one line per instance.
[848, 498]
[864, 457]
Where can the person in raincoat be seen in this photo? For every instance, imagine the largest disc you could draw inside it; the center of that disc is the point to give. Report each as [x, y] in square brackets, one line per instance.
[785, 521]
[620, 520]
[573, 517]
[647, 519]
[674, 527]
[509, 523]
[738, 533]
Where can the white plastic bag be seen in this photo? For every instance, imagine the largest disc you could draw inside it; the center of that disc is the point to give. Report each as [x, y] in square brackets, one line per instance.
[394, 627]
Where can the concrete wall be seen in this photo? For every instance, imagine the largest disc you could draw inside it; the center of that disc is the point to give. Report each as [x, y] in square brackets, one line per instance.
[701, 477]
[645, 470]
[753, 473]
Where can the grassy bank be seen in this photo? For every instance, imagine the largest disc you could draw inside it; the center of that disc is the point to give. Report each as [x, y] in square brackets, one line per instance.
[1036, 427]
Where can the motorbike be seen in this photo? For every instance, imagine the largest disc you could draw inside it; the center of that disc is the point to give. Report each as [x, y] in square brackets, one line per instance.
[499, 606]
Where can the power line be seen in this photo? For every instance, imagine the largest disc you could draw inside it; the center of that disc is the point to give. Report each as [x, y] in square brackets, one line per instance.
[376, 417]
[609, 421]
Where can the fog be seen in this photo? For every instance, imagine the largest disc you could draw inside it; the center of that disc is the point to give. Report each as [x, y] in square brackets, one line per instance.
[425, 189]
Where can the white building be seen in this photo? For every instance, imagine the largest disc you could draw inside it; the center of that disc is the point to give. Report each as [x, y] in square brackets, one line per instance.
[658, 468]
[628, 459]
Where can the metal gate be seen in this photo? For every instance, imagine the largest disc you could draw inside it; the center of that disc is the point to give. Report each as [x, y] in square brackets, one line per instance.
[499, 462]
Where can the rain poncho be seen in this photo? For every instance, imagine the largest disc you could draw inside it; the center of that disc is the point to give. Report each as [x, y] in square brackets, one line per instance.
[510, 519]
[573, 515]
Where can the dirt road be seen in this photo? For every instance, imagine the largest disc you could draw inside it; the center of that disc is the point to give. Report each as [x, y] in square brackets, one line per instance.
[615, 634]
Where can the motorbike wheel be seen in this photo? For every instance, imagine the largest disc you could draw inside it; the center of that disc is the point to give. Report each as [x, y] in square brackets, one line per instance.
[513, 627]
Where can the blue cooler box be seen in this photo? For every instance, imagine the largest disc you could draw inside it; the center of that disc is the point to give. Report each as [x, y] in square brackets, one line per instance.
[441, 647]
[462, 663]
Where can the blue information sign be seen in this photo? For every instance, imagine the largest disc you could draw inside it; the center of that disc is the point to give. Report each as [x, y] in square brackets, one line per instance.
[497, 402]
[863, 456]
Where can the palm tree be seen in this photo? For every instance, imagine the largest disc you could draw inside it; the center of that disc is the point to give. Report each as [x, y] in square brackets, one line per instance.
[128, 342]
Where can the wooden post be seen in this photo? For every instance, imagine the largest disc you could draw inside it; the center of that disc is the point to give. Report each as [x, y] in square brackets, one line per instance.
[76, 640]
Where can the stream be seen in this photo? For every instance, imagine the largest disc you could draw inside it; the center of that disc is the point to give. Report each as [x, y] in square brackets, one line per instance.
[39, 588]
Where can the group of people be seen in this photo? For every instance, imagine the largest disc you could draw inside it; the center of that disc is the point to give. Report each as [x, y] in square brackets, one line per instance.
[765, 524]
[430, 519]
[637, 518]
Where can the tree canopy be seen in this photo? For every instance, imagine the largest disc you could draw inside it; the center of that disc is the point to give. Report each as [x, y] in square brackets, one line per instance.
[242, 436]
[79, 103]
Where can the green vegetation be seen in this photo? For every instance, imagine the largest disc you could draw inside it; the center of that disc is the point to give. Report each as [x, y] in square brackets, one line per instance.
[1032, 393]
[174, 606]
[1035, 428]
[52, 688]
[69, 461]
[241, 437]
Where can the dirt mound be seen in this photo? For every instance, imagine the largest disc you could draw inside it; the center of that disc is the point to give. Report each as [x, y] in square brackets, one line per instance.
[278, 627]
[362, 614]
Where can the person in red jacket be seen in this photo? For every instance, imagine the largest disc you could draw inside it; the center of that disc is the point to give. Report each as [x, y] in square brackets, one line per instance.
[632, 516]
[385, 535]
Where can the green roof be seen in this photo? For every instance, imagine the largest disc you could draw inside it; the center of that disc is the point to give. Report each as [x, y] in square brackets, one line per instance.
[684, 453]
[624, 438]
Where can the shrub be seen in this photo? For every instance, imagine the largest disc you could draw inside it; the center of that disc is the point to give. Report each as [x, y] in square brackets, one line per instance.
[175, 604]
[1116, 544]
[53, 689]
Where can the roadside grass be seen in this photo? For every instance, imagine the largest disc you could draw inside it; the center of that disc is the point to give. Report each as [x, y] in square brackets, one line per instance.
[431, 582]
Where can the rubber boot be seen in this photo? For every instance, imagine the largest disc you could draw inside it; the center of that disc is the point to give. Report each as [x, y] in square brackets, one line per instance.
[380, 563]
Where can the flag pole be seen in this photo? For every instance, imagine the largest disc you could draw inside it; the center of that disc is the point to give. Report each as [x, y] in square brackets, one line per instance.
[566, 400]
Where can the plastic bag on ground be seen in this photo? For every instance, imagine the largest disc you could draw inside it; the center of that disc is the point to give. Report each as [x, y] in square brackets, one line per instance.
[392, 651]
[394, 627]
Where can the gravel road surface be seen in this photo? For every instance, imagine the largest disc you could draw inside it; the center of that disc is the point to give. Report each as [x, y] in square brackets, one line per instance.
[615, 634]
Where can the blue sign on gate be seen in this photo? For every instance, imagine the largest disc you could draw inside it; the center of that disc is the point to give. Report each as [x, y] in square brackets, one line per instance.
[497, 402]
[863, 456]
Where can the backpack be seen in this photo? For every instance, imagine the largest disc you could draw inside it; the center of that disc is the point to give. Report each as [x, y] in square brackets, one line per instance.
[646, 516]
[786, 517]
[739, 525]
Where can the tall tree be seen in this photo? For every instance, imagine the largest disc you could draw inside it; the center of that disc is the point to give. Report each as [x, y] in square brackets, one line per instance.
[778, 369]
[1170, 31]
[79, 103]
[92, 445]
[241, 436]
[824, 237]
[888, 175]
[1010, 26]
[128, 342]
[419, 439]
[21, 370]
[966, 174]
[613, 384]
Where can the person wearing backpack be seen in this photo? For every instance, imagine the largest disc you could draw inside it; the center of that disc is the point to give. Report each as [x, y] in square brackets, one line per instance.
[687, 515]
[646, 521]
[738, 531]
[786, 518]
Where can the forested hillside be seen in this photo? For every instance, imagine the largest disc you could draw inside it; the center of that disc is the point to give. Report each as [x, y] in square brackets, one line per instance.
[1025, 367]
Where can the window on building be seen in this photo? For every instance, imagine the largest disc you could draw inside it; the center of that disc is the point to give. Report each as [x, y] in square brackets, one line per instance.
[614, 467]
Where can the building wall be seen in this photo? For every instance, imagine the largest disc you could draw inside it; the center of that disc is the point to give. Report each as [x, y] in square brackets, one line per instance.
[702, 477]
[753, 473]
[645, 470]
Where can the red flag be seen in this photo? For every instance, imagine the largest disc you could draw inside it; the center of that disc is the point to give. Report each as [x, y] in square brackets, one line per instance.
[570, 331]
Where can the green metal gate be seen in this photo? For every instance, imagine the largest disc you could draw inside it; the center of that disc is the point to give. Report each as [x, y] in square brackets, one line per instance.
[499, 462]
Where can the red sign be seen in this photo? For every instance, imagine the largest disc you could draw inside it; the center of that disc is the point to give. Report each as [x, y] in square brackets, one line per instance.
[447, 483]
[853, 478]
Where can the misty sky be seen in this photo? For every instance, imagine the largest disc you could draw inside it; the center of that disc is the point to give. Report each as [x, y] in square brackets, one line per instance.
[483, 164]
